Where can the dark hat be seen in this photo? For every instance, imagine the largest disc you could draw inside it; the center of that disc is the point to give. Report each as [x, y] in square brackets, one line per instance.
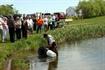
[45, 35]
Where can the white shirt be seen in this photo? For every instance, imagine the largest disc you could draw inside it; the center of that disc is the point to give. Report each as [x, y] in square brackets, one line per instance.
[18, 23]
[5, 25]
[46, 21]
[1, 22]
[51, 39]
[50, 21]
[53, 17]
[30, 23]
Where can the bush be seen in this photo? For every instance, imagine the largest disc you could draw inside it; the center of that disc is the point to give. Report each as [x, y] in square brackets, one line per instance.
[92, 8]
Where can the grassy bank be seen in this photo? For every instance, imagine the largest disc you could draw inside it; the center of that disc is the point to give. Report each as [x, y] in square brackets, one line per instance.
[19, 49]
[73, 31]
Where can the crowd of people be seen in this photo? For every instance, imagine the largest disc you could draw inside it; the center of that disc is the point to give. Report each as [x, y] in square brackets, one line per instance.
[21, 26]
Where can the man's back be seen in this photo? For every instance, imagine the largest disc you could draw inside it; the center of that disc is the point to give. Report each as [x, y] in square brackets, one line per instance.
[10, 22]
[50, 39]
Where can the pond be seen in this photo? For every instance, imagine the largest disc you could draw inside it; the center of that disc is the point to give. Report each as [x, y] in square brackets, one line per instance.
[83, 55]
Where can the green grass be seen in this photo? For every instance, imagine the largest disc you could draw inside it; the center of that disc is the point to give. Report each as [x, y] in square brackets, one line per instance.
[81, 29]
[72, 31]
[20, 64]
[16, 50]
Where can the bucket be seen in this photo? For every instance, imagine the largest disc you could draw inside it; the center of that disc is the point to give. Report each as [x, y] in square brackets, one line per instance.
[51, 53]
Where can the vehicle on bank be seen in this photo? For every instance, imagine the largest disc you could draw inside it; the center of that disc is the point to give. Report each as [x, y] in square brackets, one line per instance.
[60, 15]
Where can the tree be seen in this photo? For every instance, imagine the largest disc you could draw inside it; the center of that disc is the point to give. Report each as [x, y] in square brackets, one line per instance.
[92, 8]
[7, 10]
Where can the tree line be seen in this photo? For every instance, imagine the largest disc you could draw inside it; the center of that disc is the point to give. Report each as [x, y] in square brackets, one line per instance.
[92, 8]
[89, 8]
[7, 10]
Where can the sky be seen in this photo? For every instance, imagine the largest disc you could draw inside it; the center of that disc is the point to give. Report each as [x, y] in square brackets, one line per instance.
[32, 6]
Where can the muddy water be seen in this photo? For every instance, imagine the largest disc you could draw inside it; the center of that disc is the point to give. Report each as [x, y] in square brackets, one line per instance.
[84, 55]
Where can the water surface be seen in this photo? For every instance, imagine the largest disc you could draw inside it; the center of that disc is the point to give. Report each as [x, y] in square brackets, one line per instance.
[84, 55]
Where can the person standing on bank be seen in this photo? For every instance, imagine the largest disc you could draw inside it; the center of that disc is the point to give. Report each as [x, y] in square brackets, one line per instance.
[34, 22]
[24, 27]
[30, 24]
[53, 21]
[11, 26]
[5, 29]
[51, 43]
[18, 25]
[1, 26]
[50, 23]
[39, 24]
[46, 23]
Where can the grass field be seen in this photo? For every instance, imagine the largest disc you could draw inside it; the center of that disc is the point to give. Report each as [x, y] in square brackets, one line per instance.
[72, 31]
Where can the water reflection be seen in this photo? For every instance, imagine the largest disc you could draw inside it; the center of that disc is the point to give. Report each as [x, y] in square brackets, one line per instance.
[43, 63]
[53, 64]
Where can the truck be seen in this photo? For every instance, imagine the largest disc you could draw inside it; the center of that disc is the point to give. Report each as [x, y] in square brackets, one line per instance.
[60, 15]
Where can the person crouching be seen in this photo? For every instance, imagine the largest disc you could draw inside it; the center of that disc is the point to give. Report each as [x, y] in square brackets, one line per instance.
[51, 43]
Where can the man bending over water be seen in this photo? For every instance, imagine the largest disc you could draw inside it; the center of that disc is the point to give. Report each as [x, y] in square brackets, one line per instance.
[51, 43]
